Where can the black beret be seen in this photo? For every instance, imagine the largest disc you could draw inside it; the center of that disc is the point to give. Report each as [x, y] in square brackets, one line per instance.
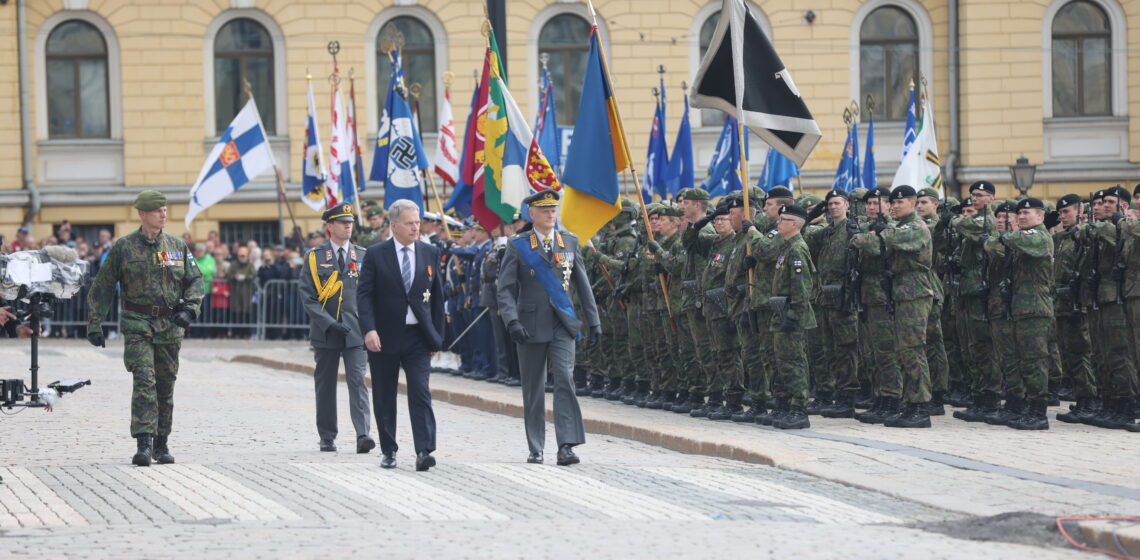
[548, 197]
[793, 210]
[734, 202]
[903, 191]
[1136, 190]
[1030, 202]
[835, 193]
[339, 213]
[1119, 192]
[780, 192]
[880, 192]
[1069, 200]
[983, 186]
[1006, 207]
[1099, 194]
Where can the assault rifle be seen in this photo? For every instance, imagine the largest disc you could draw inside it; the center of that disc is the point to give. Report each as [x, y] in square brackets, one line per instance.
[888, 280]
[852, 263]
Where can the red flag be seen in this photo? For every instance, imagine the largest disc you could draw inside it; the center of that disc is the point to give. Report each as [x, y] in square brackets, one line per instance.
[474, 169]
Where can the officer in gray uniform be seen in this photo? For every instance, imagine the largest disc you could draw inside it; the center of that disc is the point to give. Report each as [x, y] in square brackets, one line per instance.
[538, 272]
[328, 284]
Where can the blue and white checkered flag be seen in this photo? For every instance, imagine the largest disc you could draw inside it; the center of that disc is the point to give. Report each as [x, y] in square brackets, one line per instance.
[242, 153]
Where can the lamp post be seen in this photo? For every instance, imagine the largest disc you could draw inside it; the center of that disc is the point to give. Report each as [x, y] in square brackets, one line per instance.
[1022, 173]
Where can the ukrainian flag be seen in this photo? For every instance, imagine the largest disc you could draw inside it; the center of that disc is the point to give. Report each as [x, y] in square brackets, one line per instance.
[596, 155]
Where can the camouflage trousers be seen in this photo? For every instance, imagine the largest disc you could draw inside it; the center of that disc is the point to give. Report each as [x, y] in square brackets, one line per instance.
[155, 368]
[659, 345]
[816, 357]
[677, 376]
[635, 367]
[758, 378]
[701, 376]
[978, 349]
[886, 381]
[936, 355]
[1030, 376]
[1132, 310]
[606, 358]
[1005, 351]
[1076, 353]
[952, 342]
[1112, 345]
[910, 328]
[751, 363]
[838, 333]
[726, 368]
[790, 376]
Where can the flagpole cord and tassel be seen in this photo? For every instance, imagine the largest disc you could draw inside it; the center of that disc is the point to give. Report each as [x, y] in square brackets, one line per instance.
[636, 181]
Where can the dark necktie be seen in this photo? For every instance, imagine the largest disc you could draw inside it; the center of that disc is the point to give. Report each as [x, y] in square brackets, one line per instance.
[406, 270]
[340, 259]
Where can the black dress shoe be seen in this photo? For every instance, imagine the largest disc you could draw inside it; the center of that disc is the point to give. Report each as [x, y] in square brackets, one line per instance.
[566, 456]
[389, 461]
[534, 458]
[513, 382]
[424, 461]
[327, 445]
[364, 444]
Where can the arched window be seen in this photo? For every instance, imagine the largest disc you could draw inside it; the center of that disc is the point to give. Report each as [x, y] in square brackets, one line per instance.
[566, 39]
[418, 55]
[243, 51]
[77, 89]
[1082, 64]
[888, 61]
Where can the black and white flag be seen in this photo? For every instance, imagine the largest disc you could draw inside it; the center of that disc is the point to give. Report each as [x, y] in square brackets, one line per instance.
[743, 76]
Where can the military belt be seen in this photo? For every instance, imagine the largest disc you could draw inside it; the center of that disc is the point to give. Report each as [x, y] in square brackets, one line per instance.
[152, 310]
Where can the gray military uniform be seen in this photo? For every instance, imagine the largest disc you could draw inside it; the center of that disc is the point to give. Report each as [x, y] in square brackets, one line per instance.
[550, 347]
[329, 345]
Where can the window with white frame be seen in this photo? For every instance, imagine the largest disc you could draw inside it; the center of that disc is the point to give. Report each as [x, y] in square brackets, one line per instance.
[418, 60]
[888, 61]
[1082, 63]
[78, 100]
[243, 52]
[566, 39]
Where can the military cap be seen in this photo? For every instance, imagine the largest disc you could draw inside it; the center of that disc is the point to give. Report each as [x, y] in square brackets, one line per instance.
[339, 213]
[374, 211]
[654, 208]
[1099, 194]
[780, 192]
[880, 192]
[672, 210]
[431, 217]
[1136, 190]
[1005, 207]
[903, 191]
[734, 201]
[1119, 192]
[150, 200]
[983, 186]
[696, 193]
[1030, 202]
[543, 199]
[858, 193]
[628, 206]
[1069, 200]
[809, 200]
[793, 210]
[927, 191]
[950, 201]
[368, 204]
[472, 223]
[835, 193]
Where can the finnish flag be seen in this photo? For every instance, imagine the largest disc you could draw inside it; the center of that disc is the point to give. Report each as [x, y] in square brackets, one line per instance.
[241, 154]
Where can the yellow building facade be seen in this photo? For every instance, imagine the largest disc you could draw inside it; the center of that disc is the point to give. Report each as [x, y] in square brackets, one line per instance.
[125, 95]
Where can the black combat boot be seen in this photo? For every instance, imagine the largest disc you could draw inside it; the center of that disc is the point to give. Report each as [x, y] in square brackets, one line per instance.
[984, 405]
[690, 402]
[913, 416]
[1065, 391]
[1080, 412]
[871, 411]
[598, 387]
[668, 399]
[615, 389]
[1102, 412]
[888, 407]
[726, 411]
[842, 407]
[816, 406]
[1032, 417]
[865, 399]
[778, 411]
[628, 388]
[142, 456]
[640, 394]
[1119, 415]
[1012, 408]
[702, 410]
[656, 400]
[161, 452]
[795, 419]
[747, 416]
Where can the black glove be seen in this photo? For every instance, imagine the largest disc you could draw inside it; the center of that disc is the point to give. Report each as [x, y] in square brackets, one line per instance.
[658, 268]
[956, 209]
[1116, 217]
[654, 246]
[746, 225]
[789, 325]
[96, 339]
[816, 211]
[182, 318]
[879, 226]
[701, 223]
[1052, 218]
[944, 220]
[852, 228]
[339, 328]
[595, 335]
[518, 332]
[750, 262]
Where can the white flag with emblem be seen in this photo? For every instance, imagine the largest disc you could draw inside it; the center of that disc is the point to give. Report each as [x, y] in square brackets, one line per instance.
[920, 167]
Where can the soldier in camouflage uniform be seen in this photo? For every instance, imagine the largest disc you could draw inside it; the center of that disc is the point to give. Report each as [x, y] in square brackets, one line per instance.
[161, 289]
[1028, 298]
[792, 315]
[765, 252]
[1001, 320]
[928, 211]
[621, 244]
[724, 358]
[838, 382]
[667, 220]
[878, 321]
[739, 311]
[696, 240]
[376, 228]
[1072, 323]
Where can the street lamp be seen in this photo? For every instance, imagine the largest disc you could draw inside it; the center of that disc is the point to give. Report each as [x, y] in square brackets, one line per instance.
[1022, 173]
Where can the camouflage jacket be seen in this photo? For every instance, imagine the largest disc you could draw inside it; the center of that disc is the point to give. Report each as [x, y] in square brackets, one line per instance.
[1029, 270]
[766, 249]
[972, 281]
[828, 247]
[909, 251]
[1065, 249]
[696, 245]
[736, 275]
[151, 272]
[712, 280]
[793, 278]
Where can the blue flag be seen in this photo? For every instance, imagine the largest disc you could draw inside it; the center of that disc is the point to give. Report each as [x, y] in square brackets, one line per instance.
[400, 153]
[869, 181]
[724, 168]
[843, 171]
[546, 126]
[461, 196]
[778, 171]
[657, 158]
[854, 176]
[910, 133]
[679, 175]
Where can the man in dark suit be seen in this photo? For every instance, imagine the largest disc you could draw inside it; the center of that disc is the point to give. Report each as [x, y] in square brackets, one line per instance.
[538, 271]
[401, 314]
[328, 287]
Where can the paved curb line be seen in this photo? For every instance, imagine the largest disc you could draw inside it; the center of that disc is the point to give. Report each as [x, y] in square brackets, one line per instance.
[1101, 535]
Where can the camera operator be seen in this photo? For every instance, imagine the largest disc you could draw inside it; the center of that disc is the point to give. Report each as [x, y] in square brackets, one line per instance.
[161, 289]
[10, 323]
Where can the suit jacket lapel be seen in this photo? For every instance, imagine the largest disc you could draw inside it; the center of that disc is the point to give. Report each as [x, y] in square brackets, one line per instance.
[388, 253]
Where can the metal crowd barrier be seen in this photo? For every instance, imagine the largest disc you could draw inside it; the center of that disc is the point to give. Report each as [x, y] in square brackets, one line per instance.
[274, 312]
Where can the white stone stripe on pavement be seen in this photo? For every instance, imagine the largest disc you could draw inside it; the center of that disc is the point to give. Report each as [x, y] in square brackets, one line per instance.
[402, 492]
[815, 506]
[206, 494]
[25, 501]
[594, 494]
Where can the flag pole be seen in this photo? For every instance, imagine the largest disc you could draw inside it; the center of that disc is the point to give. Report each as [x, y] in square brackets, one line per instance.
[355, 144]
[745, 191]
[633, 173]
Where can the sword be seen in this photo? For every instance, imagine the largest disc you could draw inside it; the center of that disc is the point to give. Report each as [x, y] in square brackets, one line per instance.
[473, 321]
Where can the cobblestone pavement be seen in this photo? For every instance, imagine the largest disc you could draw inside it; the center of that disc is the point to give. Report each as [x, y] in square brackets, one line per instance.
[250, 483]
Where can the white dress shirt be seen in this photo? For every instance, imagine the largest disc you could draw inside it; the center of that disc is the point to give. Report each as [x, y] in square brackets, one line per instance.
[410, 318]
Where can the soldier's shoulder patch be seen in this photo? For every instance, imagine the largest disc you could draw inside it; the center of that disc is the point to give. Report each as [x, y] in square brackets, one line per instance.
[1029, 231]
[979, 219]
